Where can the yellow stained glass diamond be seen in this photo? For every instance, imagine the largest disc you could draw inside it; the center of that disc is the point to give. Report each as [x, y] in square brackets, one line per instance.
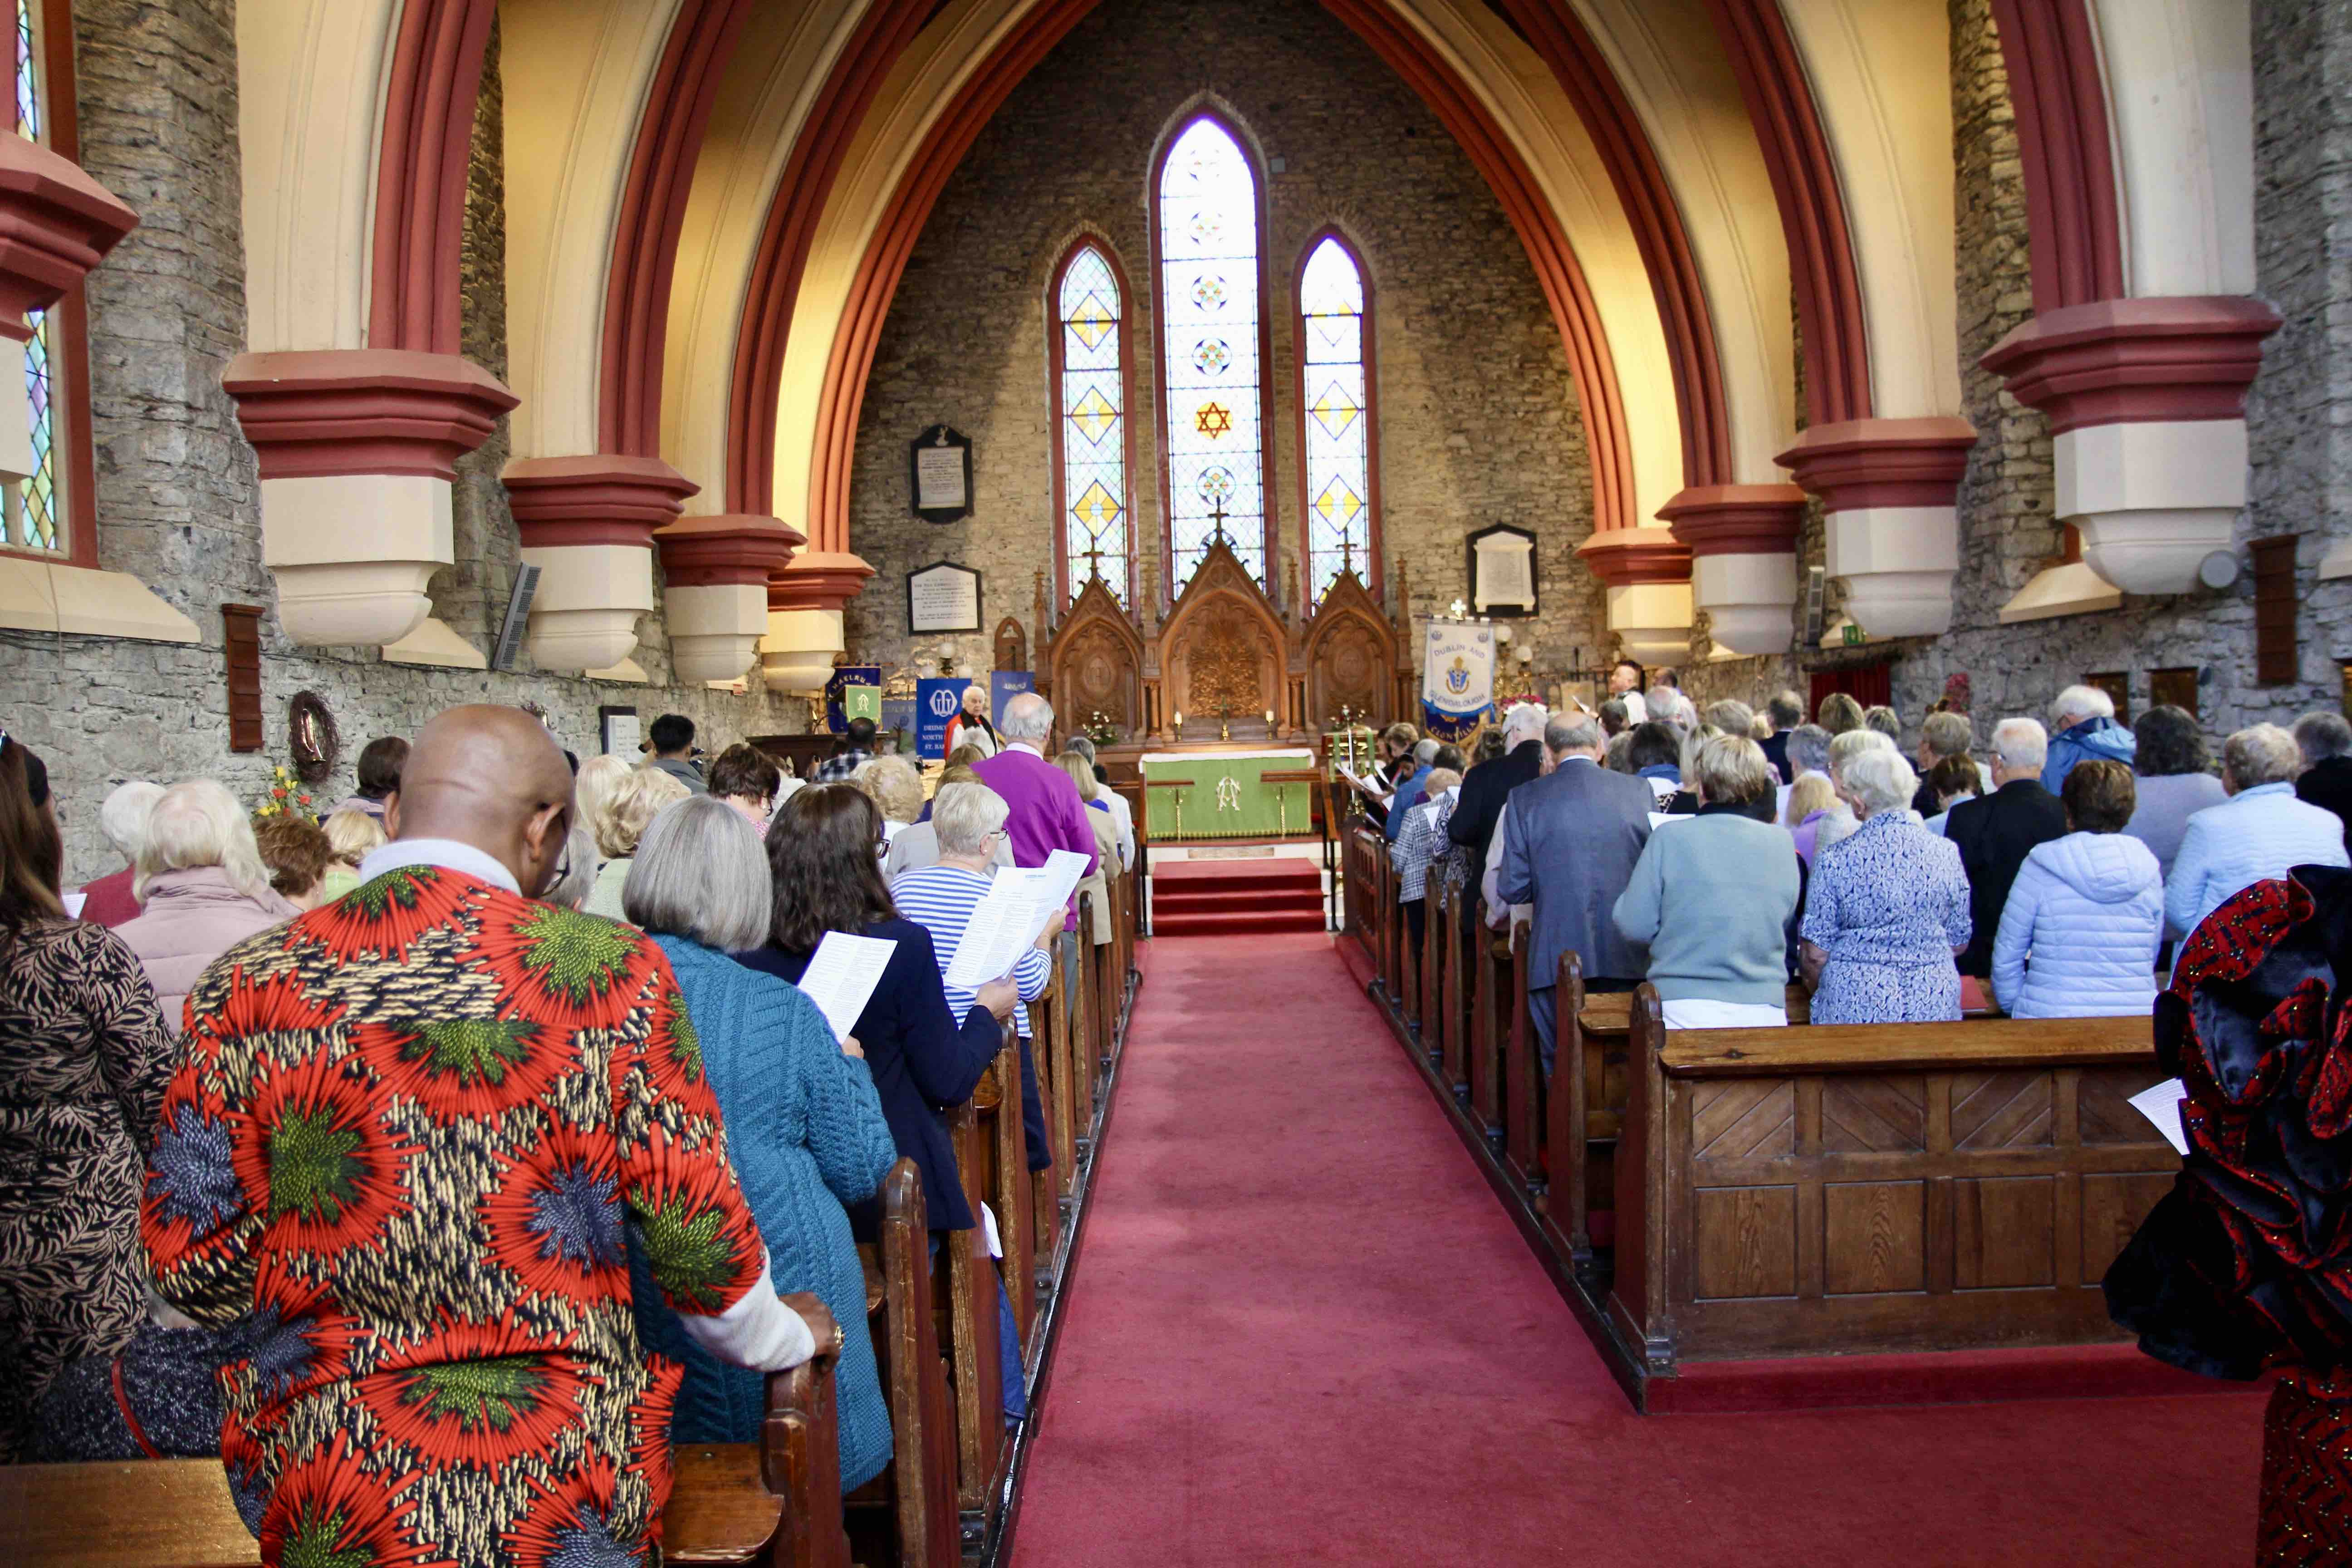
[1092, 321]
[1339, 504]
[1335, 410]
[1094, 414]
[1097, 509]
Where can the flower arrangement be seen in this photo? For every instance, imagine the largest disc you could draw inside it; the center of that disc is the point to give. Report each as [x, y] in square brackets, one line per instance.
[1100, 730]
[286, 795]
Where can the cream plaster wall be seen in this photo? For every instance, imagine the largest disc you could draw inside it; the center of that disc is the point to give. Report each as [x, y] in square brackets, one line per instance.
[310, 90]
[576, 74]
[2180, 83]
[1881, 78]
[781, 61]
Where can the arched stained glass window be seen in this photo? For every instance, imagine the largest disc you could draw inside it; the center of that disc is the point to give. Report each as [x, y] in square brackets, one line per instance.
[1334, 391]
[1210, 332]
[32, 511]
[1090, 384]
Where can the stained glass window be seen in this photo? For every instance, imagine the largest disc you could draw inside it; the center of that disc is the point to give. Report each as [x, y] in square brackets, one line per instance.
[1209, 328]
[1339, 418]
[1097, 531]
[33, 506]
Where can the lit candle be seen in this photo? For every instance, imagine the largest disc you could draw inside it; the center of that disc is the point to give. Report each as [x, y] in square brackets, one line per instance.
[1269, 716]
[1179, 718]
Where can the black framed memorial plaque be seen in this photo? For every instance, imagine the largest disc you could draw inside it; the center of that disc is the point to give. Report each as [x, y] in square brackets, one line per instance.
[939, 474]
[942, 597]
[1499, 565]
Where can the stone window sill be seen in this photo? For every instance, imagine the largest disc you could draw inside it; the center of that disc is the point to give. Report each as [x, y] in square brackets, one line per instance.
[52, 596]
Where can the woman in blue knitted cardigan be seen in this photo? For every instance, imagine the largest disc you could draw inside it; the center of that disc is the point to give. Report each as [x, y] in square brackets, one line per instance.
[804, 1127]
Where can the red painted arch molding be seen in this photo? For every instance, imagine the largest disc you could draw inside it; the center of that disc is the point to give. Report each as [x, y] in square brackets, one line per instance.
[2060, 99]
[420, 169]
[1552, 29]
[1812, 207]
[653, 210]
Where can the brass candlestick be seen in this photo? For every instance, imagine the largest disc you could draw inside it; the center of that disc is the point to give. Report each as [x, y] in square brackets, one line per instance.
[1224, 720]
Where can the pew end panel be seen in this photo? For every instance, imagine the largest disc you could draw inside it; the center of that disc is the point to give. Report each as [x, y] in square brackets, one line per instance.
[1859, 1189]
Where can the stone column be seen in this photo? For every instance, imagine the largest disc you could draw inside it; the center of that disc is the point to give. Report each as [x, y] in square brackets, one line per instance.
[1889, 488]
[357, 451]
[805, 618]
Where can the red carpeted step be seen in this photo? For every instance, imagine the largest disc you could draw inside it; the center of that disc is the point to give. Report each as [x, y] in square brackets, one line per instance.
[1181, 899]
[1236, 923]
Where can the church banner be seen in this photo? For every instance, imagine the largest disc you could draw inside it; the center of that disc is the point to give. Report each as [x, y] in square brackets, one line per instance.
[836, 716]
[1457, 678]
[936, 702]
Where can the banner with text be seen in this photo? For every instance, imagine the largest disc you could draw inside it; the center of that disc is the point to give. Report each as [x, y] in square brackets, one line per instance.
[1457, 677]
[836, 718]
[936, 702]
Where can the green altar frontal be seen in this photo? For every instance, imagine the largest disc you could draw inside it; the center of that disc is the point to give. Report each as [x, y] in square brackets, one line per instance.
[1192, 797]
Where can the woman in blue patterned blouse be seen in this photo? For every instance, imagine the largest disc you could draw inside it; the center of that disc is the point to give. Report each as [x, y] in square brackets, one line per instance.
[1887, 908]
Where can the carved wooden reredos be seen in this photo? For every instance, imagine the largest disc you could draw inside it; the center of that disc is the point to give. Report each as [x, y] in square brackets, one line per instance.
[1351, 659]
[1224, 656]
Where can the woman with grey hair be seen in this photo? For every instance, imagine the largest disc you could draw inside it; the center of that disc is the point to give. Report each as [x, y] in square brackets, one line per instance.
[575, 874]
[123, 820]
[804, 1127]
[2173, 779]
[1887, 909]
[2260, 833]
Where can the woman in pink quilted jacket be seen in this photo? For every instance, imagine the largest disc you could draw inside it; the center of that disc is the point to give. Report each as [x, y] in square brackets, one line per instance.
[201, 888]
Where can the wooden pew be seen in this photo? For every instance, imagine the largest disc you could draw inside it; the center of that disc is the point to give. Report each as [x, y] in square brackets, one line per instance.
[1902, 1187]
[975, 1369]
[1004, 1155]
[776, 1502]
[1475, 963]
[916, 1497]
[1049, 1022]
[1522, 1072]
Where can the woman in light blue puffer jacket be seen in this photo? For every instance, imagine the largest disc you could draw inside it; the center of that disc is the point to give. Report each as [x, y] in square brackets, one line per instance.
[2078, 936]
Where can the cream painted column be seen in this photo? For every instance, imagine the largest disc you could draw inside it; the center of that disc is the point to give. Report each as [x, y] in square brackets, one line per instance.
[1889, 488]
[1649, 590]
[358, 448]
[715, 575]
[588, 524]
[804, 631]
[1743, 546]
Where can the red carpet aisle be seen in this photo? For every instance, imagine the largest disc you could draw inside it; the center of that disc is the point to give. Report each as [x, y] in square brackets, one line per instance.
[1304, 1332]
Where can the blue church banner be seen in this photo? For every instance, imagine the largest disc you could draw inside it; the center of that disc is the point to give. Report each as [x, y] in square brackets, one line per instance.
[936, 702]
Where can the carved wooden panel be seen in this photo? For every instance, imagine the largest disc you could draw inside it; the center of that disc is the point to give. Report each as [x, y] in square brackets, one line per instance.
[1012, 644]
[2113, 1208]
[1224, 660]
[1875, 1236]
[1861, 1114]
[1351, 658]
[1744, 1119]
[2107, 1115]
[2001, 1110]
[1096, 678]
[1746, 1242]
[2004, 1231]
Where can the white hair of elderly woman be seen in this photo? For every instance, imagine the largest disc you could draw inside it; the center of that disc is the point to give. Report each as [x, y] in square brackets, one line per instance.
[1853, 743]
[2260, 754]
[124, 817]
[581, 864]
[1027, 717]
[963, 816]
[1877, 779]
[2022, 744]
[195, 823]
[700, 873]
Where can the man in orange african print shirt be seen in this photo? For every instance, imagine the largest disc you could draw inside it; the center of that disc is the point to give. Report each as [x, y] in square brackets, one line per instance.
[400, 1147]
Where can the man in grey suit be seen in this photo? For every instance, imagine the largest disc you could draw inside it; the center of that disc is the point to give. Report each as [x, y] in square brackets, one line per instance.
[1571, 839]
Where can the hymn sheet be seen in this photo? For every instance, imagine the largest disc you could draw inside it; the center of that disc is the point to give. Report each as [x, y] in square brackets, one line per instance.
[842, 974]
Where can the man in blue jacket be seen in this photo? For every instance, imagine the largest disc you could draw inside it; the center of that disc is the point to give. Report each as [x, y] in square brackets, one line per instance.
[2082, 724]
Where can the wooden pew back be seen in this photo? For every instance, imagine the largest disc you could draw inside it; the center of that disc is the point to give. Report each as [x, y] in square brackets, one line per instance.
[1878, 1188]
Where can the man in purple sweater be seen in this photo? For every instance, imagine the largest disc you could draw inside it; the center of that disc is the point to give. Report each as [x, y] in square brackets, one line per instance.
[1045, 811]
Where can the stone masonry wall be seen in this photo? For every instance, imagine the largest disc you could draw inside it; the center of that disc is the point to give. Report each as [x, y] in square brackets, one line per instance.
[2298, 415]
[1477, 410]
[178, 503]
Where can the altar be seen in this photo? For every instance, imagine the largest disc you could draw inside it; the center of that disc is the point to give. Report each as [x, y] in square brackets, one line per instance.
[1219, 793]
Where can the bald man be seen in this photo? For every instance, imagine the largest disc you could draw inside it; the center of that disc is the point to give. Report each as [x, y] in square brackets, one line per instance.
[1046, 814]
[405, 1133]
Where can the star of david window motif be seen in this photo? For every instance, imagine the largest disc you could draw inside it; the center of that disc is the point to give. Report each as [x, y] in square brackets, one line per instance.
[1332, 372]
[1090, 370]
[1206, 215]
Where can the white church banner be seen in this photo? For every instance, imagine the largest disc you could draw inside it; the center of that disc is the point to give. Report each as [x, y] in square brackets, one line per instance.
[1457, 676]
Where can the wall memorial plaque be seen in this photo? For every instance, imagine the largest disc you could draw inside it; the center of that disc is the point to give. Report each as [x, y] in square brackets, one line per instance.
[1502, 571]
[942, 597]
[938, 469]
